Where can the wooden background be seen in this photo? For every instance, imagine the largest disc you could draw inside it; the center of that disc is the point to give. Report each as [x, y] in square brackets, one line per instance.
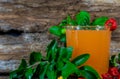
[24, 25]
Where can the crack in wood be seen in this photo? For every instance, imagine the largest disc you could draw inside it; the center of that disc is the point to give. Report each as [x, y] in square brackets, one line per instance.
[12, 32]
[4, 74]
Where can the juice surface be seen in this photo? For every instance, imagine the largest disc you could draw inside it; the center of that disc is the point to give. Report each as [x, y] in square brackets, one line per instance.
[96, 43]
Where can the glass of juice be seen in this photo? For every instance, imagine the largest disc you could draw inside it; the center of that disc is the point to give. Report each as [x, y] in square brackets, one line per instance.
[94, 42]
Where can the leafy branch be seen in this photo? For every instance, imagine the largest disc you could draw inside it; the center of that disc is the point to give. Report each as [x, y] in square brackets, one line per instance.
[56, 63]
[81, 21]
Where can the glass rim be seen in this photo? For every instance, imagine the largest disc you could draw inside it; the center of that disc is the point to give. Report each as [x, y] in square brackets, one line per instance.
[86, 27]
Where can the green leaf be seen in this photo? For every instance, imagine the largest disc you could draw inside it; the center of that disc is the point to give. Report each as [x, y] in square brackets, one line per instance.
[13, 74]
[63, 38]
[63, 31]
[23, 64]
[63, 23]
[29, 73]
[80, 59]
[51, 73]
[87, 74]
[64, 53]
[70, 21]
[119, 57]
[100, 21]
[90, 69]
[20, 71]
[35, 57]
[51, 50]
[56, 30]
[83, 18]
[69, 51]
[59, 65]
[42, 70]
[52, 46]
[113, 61]
[17, 73]
[61, 53]
[68, 69]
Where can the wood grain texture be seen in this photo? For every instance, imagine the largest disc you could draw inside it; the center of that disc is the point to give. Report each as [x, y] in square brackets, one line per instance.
[24, 25]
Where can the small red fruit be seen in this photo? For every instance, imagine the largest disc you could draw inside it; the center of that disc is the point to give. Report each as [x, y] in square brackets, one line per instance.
[113, 71]
[106, 76]
[111, 23]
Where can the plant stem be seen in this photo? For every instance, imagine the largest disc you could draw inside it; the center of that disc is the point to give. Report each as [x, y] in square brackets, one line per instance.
[37, 63]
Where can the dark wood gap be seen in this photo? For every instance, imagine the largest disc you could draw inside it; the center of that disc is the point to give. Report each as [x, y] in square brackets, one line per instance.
[12, 32]
[4, 74]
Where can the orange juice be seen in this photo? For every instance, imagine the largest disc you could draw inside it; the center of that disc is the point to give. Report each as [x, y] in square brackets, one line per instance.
[96, 43]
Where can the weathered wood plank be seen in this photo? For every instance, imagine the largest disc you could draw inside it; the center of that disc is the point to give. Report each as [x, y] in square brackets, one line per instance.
[8, 65]
[4, 77]
[24, 25]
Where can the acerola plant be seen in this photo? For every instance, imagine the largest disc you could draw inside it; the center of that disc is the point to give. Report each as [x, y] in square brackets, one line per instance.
[82, 22]
[114, 70]
[56, 65]
[113, 73]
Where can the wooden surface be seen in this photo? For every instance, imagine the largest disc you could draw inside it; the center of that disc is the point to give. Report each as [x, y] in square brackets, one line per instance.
[24, 25]
[4, 77]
